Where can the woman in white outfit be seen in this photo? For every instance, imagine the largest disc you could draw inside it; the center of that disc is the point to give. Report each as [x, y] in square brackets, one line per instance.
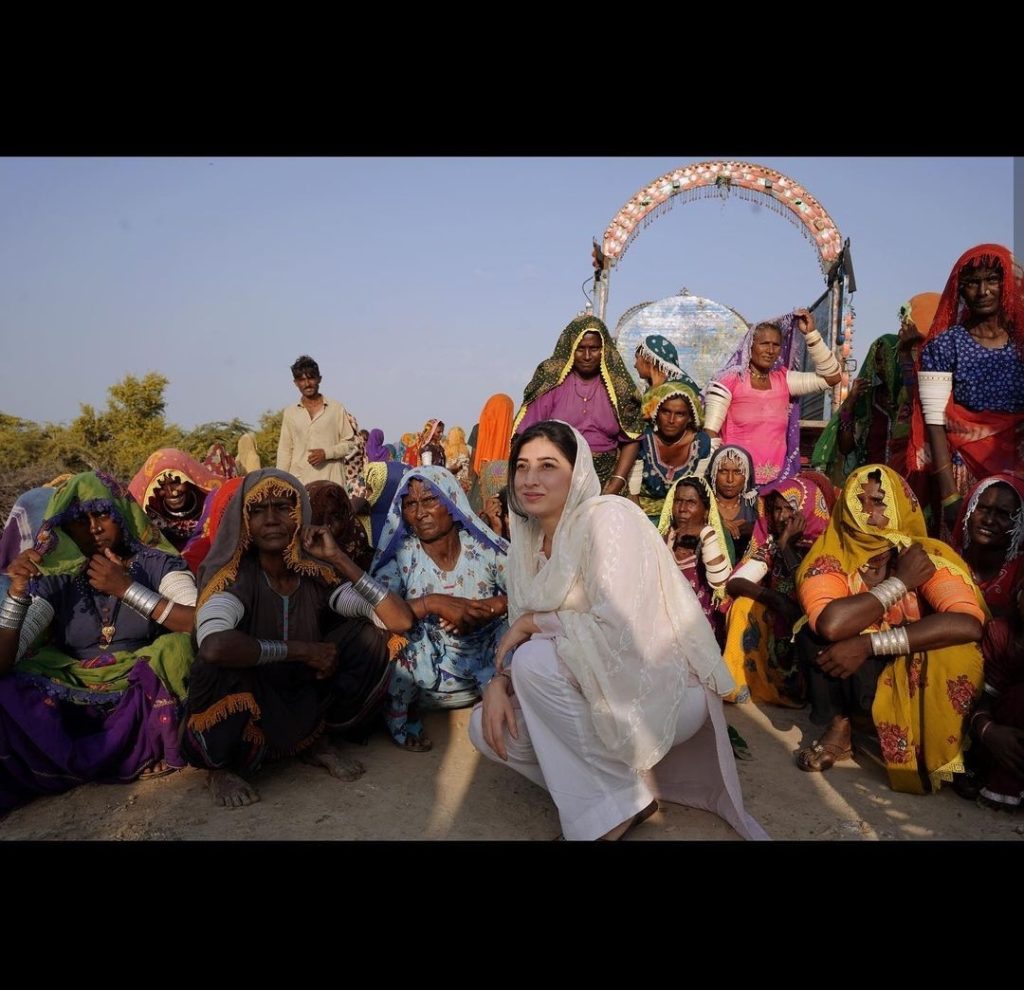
[613, 697]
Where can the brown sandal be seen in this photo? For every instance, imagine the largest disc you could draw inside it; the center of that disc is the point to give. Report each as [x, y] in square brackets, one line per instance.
[820, 756]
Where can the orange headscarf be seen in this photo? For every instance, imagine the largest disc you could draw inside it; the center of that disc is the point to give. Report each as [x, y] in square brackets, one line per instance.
[920, 310]
[494, 434]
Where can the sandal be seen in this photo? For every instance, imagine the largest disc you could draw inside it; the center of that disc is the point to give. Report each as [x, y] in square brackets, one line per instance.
[740, 749]
[150, 774]
[996, 802]
[820, 756]
[414, 744]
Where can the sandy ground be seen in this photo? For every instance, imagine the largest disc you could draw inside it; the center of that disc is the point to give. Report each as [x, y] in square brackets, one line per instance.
[454, 793]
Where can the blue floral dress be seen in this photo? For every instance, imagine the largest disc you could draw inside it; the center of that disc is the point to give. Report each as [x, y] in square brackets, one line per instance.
[437, 669]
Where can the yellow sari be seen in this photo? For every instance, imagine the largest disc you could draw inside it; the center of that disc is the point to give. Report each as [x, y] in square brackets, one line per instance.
[921, 700]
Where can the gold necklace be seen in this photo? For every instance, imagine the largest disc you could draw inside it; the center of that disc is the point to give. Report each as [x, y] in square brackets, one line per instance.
[759, 376]
[586, 397]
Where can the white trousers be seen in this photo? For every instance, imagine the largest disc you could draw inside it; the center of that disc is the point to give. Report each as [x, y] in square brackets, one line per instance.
[559, 750]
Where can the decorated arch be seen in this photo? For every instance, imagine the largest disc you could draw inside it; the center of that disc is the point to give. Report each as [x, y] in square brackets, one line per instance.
[708, 179]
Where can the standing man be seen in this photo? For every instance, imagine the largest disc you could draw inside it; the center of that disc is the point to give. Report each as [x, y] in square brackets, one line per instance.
[317, 433]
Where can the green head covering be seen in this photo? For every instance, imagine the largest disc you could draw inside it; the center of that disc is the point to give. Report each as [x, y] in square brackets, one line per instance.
[670, 390]
[826, 456]
[662, 353]
[616, 378]
[92, 491]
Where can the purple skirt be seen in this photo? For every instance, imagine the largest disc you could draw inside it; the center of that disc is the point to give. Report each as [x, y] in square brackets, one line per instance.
[53, 737]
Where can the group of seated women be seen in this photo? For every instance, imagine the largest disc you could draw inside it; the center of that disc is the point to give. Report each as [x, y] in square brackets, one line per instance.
[200, 617]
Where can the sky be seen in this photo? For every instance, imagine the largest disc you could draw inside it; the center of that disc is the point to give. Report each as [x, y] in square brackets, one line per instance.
[421, 285]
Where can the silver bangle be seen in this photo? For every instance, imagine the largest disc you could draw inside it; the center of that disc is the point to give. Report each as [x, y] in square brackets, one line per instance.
[141, 599]
[372, 592]
[903, 641]
[272, 651]
[888, 592]
[12, 612]
[891, 644]
[11, 621]
[894, 642]
[897, 589]
[162, 617]
[827, 367]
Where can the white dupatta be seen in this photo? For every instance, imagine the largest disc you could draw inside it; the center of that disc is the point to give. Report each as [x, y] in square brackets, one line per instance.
[632, 629]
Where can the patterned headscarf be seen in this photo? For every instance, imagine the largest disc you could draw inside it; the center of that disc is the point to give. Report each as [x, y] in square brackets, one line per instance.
[1000, 590]
[233, 538]
[961, 534]
[662, 353]
[198, 546]
[220, 462]
[160, 466]
[804, 497]
[494, 431]
[79, 495]
[447, 488]
[849, 540]
[617, 380]
[671, 390]
[325, 498]
[667, 530]
[738, 454]
[429, 434]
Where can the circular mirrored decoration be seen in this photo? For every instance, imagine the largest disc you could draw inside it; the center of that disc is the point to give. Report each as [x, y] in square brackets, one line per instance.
[705, 333]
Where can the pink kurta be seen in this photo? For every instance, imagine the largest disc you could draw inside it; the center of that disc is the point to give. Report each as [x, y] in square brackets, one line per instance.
[583, 404]
[758, 421]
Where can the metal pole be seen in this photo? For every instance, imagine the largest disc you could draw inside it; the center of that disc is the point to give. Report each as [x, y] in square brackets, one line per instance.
[601, 293]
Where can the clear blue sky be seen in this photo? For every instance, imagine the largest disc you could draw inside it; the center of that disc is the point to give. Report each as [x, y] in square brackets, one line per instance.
[421, 285]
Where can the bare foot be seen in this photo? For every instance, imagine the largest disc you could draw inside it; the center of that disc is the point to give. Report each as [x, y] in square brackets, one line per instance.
[230, 790]
[323, 754]
[619, 832]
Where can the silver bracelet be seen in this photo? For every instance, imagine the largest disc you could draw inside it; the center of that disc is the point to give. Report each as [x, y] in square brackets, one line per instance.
[899, 589]
[903, 641]
[141, 599]
[888, 592]
[372, 592]
[12, 612]
[271, 651]
[893, 642]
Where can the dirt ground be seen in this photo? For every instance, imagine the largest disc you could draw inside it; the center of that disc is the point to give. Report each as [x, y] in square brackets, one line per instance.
[454, 793]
